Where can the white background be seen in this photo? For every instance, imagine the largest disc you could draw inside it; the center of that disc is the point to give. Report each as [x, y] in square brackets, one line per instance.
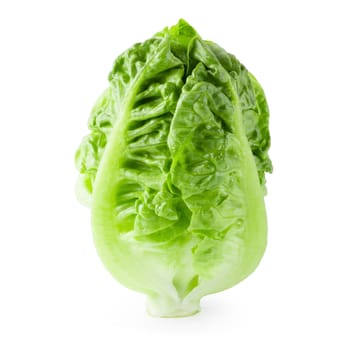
[54, 61]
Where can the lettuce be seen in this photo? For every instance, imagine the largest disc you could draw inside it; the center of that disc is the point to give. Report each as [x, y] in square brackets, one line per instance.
[174, 170]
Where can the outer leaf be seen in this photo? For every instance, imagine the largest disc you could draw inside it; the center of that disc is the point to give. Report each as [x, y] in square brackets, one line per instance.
[89, 154]
[214, 168]
[146, 82]
[254, 109]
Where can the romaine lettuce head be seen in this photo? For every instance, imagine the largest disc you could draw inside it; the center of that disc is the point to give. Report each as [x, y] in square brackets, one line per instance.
[174, 170]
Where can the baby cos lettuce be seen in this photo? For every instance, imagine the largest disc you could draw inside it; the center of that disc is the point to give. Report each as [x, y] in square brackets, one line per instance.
[174, 170]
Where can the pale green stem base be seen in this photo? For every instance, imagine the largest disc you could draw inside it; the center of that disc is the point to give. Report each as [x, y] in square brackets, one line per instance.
[168, 307]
